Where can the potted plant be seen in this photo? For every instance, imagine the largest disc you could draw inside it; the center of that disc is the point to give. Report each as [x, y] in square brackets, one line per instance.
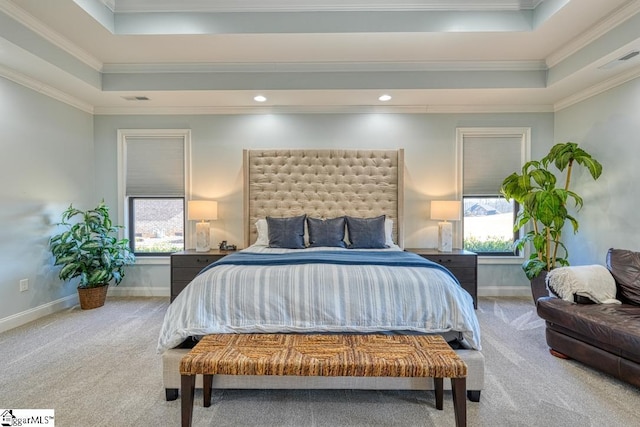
[89, 249]
[543, 208]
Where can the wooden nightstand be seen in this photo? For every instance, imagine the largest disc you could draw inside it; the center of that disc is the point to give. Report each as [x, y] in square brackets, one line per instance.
[463, 264]
[187, 264]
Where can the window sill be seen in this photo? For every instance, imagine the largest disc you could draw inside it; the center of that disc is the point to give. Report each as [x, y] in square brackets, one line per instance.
[153, 260]
[505, 260]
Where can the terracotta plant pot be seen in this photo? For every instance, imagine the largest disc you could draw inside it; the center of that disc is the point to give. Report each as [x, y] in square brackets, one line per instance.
[92, 297]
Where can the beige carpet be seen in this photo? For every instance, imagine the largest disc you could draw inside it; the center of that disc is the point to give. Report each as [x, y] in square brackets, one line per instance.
[100, 368]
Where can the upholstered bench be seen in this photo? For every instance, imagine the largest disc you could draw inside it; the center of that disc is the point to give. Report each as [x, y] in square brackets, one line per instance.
[331, 355]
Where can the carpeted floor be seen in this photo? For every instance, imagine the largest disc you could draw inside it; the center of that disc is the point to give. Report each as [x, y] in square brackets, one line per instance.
[100, 368]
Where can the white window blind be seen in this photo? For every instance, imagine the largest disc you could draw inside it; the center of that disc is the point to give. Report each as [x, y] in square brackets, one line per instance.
[155, 166]
[487, 161]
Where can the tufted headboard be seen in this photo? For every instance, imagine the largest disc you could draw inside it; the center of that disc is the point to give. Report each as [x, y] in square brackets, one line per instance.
[323, 184]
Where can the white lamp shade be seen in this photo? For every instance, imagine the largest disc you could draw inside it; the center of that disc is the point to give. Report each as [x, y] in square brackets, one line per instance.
[448, 210]
[201, 210]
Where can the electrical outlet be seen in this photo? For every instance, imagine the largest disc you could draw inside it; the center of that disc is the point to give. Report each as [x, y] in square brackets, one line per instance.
[24, 285]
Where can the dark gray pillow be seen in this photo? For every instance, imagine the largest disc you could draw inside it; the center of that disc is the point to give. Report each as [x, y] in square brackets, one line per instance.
[326, 232]
[366, 233]
[286, 232]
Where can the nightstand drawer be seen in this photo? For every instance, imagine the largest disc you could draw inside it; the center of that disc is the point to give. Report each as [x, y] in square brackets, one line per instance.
[452, 261]
[464, 275]
[177, 286]
[194, 261]
[186, 274]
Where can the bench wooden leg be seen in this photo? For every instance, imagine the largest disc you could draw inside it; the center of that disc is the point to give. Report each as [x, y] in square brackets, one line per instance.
[438, 388]
[207, 380]
[188, 385]
[459, 390]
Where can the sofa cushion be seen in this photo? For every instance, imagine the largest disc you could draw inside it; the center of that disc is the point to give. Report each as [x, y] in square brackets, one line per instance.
[613, 328]
[624, 266]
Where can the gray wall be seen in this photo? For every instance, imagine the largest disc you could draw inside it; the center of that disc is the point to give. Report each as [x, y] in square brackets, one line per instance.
[46, 163]
[608, 127]
[217, 143]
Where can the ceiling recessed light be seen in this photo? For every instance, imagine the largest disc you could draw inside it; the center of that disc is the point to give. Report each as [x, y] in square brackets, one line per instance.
[384, 98]
[259, 98]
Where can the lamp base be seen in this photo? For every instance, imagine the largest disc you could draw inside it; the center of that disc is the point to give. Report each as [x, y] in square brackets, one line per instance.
[445, 237]
[203, 237]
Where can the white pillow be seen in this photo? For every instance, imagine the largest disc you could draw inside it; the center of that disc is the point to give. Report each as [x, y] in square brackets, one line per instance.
[388, 232]
[263, 233]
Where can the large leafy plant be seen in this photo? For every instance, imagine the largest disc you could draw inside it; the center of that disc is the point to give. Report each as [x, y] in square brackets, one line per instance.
[544, 204]
[89, 248]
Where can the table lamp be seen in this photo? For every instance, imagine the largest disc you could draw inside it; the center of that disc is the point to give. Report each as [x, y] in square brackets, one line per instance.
[203, 211]
[445, 211]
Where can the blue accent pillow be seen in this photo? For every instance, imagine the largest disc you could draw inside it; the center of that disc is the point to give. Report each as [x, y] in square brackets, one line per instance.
[366, 233]
[286, 232]
[326, 232]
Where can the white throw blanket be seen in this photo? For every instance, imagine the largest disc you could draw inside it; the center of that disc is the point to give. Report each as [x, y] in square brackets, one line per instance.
[592, 281]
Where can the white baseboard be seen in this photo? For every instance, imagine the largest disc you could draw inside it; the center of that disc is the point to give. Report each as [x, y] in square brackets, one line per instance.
[138, 291]
[504, 291]
[35, 313]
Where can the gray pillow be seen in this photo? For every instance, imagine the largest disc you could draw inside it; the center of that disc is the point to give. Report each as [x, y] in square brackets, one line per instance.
[366, 233]
[326, 232]
[286, 232]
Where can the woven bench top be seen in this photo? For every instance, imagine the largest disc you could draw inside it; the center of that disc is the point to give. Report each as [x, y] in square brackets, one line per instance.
[371, 355]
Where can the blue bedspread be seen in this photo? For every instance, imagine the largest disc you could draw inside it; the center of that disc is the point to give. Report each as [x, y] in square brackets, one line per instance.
[347, 257]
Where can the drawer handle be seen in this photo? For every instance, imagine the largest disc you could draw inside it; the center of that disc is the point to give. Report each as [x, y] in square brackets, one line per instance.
[444, 260]
[202, 260]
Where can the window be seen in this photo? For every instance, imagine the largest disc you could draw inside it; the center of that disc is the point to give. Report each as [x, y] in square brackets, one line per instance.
[488, 156]
[156, 225]
[488, 225]
[153, 182]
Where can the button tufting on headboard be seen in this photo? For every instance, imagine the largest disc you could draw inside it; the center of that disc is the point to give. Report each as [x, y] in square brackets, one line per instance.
[323, 184]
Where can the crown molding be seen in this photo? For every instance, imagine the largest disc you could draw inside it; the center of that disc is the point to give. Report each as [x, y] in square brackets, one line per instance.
[111, 4]
[288, 67]
[237, 110]
[607, 24]
[35, 25]
[597, 89]
[137, 6]
[488, 109]
[326, 109]
[45, 89]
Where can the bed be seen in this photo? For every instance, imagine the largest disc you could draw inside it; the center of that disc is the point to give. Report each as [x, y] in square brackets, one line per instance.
[297, 200]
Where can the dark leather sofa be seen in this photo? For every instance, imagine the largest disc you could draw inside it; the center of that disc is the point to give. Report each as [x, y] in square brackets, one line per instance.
[603, 336]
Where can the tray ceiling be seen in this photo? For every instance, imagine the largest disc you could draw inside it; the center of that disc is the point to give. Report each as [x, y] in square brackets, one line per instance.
[215, 56]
